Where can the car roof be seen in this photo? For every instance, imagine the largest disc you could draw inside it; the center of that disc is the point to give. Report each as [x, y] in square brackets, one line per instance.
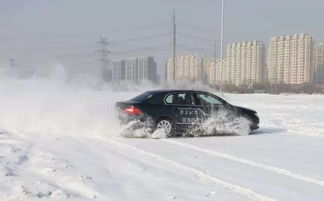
[175, 90]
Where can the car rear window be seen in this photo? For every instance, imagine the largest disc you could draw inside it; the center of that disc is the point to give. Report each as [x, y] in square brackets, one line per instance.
[155, 99]
[142, 97]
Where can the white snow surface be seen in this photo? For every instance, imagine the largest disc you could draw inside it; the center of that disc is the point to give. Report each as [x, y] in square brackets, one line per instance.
[62, 142]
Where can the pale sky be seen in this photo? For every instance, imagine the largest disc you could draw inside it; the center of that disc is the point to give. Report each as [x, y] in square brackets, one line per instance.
[62, 29]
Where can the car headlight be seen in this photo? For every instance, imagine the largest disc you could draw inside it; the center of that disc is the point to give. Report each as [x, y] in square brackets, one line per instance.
[256, 114]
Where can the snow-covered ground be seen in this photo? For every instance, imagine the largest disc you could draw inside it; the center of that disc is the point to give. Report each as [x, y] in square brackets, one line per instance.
[62, 143]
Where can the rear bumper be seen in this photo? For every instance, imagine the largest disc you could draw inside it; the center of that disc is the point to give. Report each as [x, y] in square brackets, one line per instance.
[125, 119]
[135, 121]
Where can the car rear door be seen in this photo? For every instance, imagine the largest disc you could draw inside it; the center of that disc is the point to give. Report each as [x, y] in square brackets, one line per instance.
[185, 111]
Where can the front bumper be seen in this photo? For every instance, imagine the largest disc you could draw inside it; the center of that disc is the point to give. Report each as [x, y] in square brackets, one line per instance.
[254, 126]
[255, 122]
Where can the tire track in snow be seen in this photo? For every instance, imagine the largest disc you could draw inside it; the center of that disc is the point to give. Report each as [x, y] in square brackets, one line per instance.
[231, 187]
[269, 168]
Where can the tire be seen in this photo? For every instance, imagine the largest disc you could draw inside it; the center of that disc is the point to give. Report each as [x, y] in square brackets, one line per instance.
[167, 125]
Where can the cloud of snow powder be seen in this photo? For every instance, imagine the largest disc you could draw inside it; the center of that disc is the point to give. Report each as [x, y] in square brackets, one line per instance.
[222, 122]
[48, 104]
[51, 104]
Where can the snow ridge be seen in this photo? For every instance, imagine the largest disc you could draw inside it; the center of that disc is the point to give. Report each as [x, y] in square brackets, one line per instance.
[276, 170]
[231, 187]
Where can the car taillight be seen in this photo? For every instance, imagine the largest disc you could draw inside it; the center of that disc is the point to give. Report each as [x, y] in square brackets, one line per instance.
[133, 110]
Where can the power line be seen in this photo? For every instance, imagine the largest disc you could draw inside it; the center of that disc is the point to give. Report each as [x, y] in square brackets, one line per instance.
[136, 39]
[155, 47]
[88, 34]
[140, 27]
[200, 38]
[189, 47]
[201, 29]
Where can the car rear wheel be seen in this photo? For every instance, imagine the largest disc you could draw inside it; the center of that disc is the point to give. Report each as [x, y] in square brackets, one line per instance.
[166, 125]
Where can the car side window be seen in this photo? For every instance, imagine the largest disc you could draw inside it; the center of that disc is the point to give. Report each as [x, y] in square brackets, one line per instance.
[169, 99]
[180, 99]
[207, 99]
[185, 99]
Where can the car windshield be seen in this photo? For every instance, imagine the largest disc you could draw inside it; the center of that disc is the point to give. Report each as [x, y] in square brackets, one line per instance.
[208, 99]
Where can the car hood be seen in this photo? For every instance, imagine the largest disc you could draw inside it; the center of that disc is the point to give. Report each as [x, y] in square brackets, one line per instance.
[245, 109]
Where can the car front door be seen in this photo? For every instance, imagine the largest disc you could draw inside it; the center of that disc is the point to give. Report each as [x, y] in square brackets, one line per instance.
[209, 103]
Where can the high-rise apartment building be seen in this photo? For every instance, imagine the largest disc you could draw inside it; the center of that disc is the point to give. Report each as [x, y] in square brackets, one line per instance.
[245, 63]
[140, 69]
[135, 70]
[212, 73]
[118, 71]
[187, 68]
[319, 64]
[290, 59]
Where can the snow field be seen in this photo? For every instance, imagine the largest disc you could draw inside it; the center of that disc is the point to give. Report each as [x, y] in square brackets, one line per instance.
[61, 142]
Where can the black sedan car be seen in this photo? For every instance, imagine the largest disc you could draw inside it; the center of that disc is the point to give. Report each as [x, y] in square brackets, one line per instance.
[176, 111]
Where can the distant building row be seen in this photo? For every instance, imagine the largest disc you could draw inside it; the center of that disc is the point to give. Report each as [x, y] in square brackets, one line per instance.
[135, 70]
[291, 60]
[244, 65]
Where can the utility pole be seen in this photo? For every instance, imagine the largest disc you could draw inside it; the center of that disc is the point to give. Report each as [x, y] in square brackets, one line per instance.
[12, 63]
[174, 46]
[215, 63]
[221, 47]
[215, 49]
[104, 58]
